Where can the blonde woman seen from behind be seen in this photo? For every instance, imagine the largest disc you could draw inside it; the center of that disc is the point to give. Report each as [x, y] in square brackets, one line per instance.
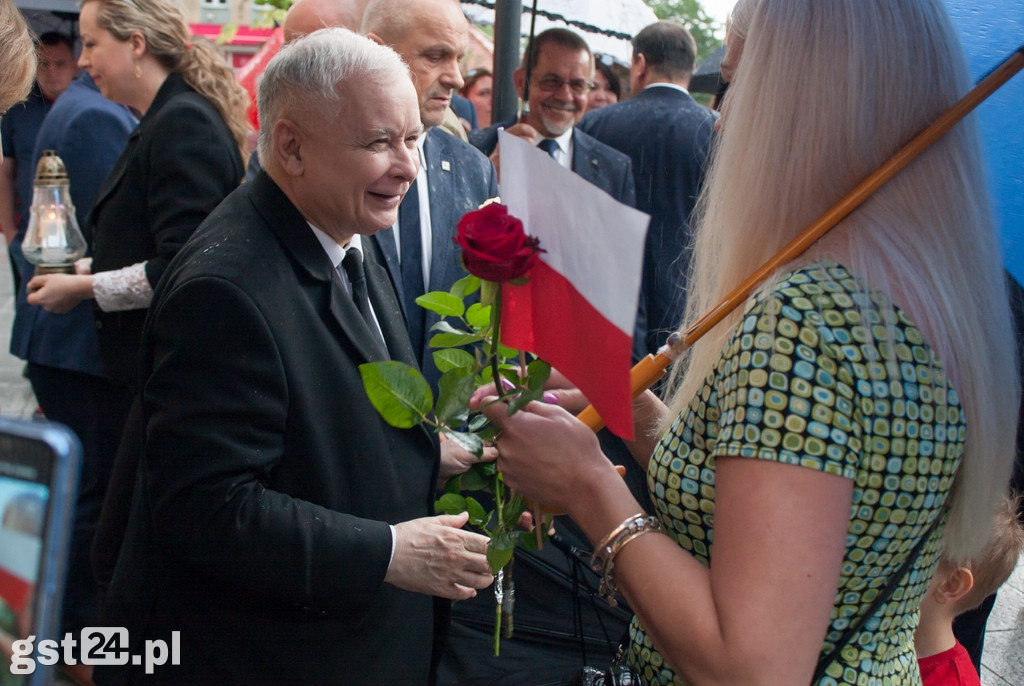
[17, 54]
[866, 391]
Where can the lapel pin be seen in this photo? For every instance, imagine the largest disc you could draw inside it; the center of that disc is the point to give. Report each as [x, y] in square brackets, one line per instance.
[446, 165]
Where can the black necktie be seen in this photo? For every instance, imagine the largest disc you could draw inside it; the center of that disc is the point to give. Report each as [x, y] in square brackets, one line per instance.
[353, 265]
[412, 266]
[549, 145]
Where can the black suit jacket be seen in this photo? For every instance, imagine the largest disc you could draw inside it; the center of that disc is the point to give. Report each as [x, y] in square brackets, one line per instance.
[668, 136]
[598, 163]
[460, 180]
[259, 527]
[178, 164]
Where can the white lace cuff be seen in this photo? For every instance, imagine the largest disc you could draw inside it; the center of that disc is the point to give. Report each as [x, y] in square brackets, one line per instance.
[122, 289]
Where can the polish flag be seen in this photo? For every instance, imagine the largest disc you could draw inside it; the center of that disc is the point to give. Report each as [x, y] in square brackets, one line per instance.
[19, 566]
[578, 310]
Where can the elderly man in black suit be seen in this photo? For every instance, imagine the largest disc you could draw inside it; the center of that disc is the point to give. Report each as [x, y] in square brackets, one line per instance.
[279, 524]
[431, 36]
[668, 136]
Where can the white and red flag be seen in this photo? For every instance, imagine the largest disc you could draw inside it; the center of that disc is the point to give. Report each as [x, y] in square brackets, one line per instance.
[578, 309]
[19, 567]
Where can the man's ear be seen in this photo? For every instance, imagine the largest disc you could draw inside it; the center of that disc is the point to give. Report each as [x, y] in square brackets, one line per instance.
[957, 583]
[639, 67]
[375, 38]
[519, 79]
[288, 147]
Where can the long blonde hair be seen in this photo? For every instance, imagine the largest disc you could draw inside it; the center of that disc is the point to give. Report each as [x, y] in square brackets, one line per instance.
[168, 39]
[17, 54]
[740, 17]
[825, 92]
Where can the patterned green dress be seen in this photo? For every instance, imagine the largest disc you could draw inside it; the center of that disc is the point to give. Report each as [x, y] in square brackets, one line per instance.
[804, 380]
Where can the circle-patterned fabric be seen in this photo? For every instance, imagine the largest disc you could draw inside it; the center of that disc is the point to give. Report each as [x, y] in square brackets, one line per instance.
[820, 375]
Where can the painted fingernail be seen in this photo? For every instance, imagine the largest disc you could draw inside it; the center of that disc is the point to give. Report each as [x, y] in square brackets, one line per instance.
[550, 399]
[506, 384]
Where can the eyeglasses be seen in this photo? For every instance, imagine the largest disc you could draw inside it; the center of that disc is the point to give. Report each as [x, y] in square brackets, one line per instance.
[551, 83]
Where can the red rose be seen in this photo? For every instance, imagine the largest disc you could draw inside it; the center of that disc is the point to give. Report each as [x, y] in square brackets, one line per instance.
[494, 245]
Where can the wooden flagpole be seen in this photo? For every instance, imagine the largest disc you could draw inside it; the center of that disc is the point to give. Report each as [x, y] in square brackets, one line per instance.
[651, 368]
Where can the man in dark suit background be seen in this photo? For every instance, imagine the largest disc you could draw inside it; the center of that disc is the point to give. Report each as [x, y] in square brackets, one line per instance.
[279, 524]
[561, 75]
[431, 36]
[18, 130]
[668, 136]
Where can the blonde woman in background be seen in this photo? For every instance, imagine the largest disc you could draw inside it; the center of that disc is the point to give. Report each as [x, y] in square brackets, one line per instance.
[866, 391]
[17, 54]
[187, 153]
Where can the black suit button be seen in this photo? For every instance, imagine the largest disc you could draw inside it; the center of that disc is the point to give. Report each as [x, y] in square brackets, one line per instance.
[99, 324]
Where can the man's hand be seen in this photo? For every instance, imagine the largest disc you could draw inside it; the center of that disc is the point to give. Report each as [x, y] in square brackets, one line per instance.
[457, 460]
[524, 131]
[433, 555]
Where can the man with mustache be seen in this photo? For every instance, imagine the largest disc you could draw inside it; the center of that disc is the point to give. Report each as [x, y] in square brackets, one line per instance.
[561, 73]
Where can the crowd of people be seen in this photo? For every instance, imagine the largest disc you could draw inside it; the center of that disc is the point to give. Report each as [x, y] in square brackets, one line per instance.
[819, 489]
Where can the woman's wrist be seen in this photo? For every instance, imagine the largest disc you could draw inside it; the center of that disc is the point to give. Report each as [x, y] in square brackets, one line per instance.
[85, 286]
[602, 502]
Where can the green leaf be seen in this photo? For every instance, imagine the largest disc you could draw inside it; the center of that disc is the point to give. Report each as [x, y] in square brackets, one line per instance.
[444, 326]
[478, 316]
[487, 433]
[454, 358]
[454, 340]
[450, 503]
[478, 516]
[500, 550]
[538, 372]
[497, 557]
[467, 285]
[468, 442]
[453, 392]
[478, 422]
[488, 292]
[445, 304]
[399, 392]
[479, 477]
[508, 353]
[512, 511]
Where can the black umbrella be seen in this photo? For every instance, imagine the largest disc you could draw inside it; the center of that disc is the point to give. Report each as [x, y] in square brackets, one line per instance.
[707, 77]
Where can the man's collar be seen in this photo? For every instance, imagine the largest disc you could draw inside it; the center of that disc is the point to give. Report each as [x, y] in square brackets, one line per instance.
[666, 84]
[334, 250]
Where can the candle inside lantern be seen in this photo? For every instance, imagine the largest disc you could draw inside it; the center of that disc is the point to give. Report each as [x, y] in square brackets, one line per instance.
[51, 230]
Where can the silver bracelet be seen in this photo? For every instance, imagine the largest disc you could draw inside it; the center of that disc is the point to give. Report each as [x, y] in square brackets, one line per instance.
[603, 559]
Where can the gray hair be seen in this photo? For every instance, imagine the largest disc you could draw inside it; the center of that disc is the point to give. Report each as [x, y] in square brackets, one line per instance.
[306, 73]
